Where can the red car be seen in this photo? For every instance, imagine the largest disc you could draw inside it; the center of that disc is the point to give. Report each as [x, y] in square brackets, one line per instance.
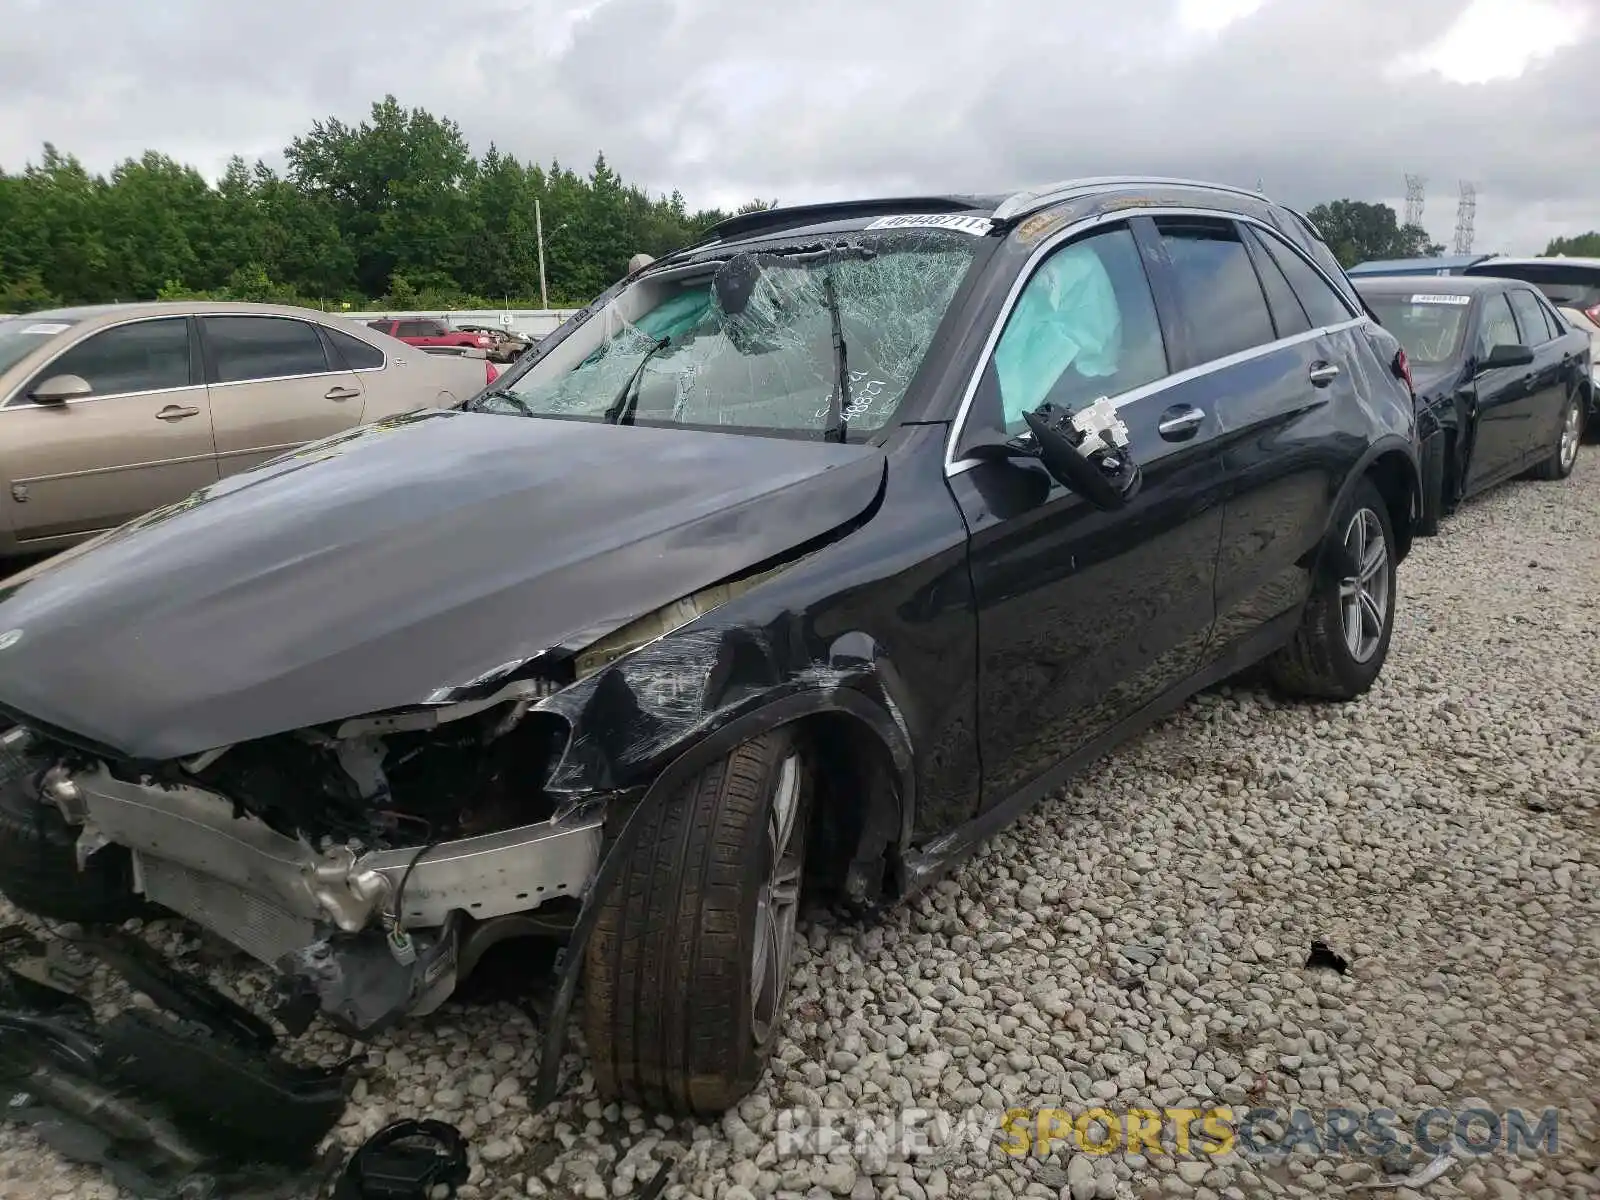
[425, 331]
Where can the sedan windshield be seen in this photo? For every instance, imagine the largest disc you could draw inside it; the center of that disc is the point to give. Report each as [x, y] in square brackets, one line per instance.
[755, 342]
[1431, 328]
[21, 336]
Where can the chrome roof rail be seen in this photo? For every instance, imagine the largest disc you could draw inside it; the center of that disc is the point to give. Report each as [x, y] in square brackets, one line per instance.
[1020, 204]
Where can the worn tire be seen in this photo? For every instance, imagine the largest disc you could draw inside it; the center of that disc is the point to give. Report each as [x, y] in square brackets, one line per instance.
[668, 969]
[1556, 466]
[39, 866]
[1318, 662]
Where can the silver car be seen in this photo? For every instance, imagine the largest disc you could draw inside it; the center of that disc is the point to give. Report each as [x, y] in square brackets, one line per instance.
[113, 410]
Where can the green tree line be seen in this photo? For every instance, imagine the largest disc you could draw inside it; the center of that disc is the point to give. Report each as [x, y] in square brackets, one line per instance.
[394, 211]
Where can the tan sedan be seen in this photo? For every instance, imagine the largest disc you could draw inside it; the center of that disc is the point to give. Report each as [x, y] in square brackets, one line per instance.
[109, 411]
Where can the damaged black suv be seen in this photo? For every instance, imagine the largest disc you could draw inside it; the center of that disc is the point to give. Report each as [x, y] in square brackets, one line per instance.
[798, 563]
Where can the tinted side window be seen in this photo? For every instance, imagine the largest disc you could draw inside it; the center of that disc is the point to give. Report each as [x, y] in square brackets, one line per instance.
[262, 348]
[1530, 319]
[1084, 326]
[380, 326]
[138, 357]
[357, 355]
[1554, 321]
[1322, 303]
[1217, 287]
[410, 329]
[1498, 328]
[1287, 314]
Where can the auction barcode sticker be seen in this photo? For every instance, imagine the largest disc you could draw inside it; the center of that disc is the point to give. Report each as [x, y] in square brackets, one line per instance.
[977, 226]
[1429, 299]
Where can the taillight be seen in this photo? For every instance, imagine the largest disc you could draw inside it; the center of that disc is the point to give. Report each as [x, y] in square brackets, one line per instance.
[1402, 369]
[490, 374]
[483, 341]
[1593, 313]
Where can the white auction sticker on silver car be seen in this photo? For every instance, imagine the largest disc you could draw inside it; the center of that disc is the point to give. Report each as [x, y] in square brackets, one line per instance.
[1431, 299]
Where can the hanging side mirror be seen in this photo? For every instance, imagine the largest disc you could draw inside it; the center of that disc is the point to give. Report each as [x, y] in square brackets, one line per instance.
[1086, 451]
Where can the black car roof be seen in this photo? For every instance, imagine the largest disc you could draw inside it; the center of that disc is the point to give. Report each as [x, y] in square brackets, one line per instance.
[1004, 209]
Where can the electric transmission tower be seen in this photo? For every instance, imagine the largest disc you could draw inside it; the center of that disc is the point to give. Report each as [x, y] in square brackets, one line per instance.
[1466, 210]
[1416, 186]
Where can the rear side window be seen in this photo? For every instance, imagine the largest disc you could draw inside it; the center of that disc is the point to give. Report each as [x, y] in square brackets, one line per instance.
[245, 348]
[139, 357]
[380, 326]
[1217, 288]
[357, 355]
[1530, 318]
[1553, 320]
[1287, 314]
[1498, 328]
[1322, 303]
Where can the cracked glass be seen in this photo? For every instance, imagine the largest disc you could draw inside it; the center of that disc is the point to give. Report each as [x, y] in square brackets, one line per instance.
[756, 349]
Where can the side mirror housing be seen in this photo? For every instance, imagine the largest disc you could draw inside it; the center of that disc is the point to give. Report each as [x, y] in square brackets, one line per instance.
[1506, 356]
[1086, 451]
[58, 389]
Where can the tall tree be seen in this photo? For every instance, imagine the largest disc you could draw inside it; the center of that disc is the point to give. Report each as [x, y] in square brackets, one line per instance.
[1359, 232]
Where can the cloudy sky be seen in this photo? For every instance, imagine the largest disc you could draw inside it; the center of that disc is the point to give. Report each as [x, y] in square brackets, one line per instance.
[813, 99]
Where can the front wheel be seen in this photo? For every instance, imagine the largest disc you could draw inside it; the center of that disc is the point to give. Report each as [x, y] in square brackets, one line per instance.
[1564, 454]
[1343, 639]
[687, 970]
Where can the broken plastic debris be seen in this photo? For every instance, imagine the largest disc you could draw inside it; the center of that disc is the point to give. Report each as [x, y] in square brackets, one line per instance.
[408, 1160]
[1324, 957]
[1423, 1175]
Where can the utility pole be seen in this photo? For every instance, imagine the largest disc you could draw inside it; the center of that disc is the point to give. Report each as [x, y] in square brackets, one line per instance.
[538, 229]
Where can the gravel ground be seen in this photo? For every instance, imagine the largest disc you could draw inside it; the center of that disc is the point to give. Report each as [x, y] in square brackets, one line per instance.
[1142, 940]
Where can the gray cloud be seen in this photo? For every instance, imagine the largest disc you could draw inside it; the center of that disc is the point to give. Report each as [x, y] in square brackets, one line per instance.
[726, 100]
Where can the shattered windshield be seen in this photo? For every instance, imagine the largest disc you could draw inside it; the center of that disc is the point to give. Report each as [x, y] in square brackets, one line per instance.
[757, 341]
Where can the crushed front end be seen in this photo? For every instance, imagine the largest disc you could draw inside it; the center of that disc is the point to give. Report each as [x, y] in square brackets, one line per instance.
[370, 863]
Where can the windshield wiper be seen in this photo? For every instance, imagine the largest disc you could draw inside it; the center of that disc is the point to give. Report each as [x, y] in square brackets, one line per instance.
[517, 401]
[839, 398]
[621, 410]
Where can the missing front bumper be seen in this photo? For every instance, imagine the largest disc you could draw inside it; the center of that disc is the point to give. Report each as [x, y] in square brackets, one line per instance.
[314, 915]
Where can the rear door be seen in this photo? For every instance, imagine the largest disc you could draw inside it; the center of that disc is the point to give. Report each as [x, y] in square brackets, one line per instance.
[1084, 615]
[1499, 433]
[140, 440]
[1547, 389]
[273, 387]
[1275, 378]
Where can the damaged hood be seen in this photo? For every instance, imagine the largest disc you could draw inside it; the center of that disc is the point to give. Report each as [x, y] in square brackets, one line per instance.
[369, 571]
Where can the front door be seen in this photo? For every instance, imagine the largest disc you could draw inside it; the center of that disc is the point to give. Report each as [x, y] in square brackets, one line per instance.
[1084, 615]
[273, 388]
[140, 439]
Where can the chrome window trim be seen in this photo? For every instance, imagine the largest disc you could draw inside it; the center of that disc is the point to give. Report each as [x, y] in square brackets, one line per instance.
[84, 335]
[954, 466]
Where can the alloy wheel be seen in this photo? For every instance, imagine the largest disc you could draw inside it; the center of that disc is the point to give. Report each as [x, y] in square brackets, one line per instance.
[1571, 432]
[777, 905]
[1364, 596]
